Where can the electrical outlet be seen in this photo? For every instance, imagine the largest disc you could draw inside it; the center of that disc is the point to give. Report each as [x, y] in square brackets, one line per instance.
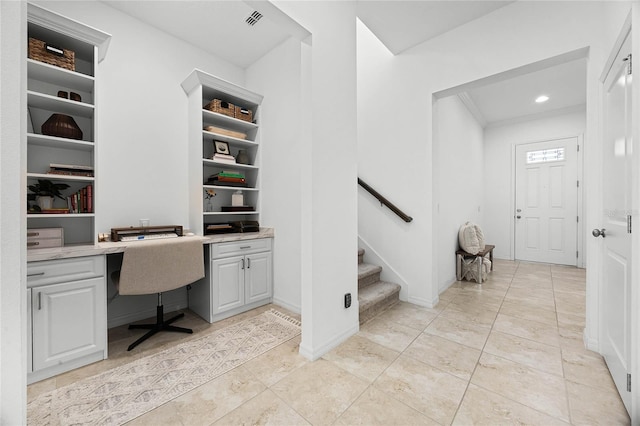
[347, 300]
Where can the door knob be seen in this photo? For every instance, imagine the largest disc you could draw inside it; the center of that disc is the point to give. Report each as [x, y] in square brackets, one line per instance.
[518, 217]
[598, 232]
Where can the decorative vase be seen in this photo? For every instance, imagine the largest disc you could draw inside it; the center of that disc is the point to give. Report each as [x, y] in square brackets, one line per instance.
[63, 126]
[45, 202]
[242, 157]
[208, 206]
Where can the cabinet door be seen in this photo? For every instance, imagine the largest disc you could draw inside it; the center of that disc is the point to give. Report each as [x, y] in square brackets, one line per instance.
[69, 321]
[227, 280]
[29, 333]
[258, 277]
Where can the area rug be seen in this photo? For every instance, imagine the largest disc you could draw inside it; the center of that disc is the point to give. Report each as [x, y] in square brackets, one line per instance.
[128, 391]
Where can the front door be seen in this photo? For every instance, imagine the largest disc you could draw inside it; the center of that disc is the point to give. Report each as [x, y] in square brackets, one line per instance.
[547, 201]
[616, 254]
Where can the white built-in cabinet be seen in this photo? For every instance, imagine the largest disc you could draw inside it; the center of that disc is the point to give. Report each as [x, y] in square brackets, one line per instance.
[201, 88]
[238, 277]
[67, 319]
[44, 81]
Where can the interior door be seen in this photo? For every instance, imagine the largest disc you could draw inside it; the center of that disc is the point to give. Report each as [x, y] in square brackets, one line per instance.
[547, 201]
[616, 253]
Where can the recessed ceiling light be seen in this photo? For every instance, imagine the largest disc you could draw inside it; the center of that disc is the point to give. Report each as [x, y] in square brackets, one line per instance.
[542, 98]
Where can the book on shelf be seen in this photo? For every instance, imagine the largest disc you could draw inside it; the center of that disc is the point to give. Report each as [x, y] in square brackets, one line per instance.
[55, 211]
[70, 170]
[81, 201]
[238, 209]
[224, 158]
[230, 175]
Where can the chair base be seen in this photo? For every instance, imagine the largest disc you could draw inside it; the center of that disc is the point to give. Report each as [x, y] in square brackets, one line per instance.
[160, 325]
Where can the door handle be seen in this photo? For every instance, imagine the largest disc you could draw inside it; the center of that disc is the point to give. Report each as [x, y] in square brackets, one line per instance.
[242, 264]
[518, 217]
[598, 232]
[248, 263]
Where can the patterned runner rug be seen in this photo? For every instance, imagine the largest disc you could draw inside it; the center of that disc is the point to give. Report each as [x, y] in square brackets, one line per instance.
[126, 392]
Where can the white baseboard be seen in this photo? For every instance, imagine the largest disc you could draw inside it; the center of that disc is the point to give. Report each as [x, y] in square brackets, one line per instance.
[316, 353]
[286, 305]
[424, 302]
[590, 343]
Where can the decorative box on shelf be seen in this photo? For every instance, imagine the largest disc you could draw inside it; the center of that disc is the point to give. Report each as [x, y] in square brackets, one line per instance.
[244, 114]
[45, 238]
[44, 52]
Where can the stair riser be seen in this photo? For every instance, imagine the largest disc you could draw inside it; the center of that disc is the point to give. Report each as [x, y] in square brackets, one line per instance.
[368, 280]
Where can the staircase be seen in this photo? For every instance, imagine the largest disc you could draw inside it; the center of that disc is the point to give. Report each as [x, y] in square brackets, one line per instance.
[374, 296]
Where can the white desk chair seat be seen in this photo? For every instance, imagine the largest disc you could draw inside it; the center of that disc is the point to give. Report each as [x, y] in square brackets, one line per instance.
[156, 266]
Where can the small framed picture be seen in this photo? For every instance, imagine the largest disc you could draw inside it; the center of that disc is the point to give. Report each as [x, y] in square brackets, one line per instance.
[221, 147]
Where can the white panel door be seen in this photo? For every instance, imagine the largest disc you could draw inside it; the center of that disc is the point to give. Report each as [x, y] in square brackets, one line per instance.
[258, 277]
[227, 280]
[617, 254]
[547, 201]
[68, 321]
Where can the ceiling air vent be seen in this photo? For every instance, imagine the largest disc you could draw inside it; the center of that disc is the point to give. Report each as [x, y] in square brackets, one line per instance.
[253, 18]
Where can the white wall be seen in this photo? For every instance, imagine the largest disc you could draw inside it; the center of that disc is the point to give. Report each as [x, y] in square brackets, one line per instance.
[13, 345]
[329, 224]
[459, 185]
[397, 128]
[142, 158]
[499, 143]
[277, 76]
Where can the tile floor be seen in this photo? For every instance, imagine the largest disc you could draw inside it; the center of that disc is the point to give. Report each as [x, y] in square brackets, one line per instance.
[507, 352]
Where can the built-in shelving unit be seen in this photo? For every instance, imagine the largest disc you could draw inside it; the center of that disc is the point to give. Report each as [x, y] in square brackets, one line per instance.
[201, 88]
[44, 81]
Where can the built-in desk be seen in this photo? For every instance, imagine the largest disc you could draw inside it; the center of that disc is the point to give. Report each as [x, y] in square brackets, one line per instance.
[67, 294]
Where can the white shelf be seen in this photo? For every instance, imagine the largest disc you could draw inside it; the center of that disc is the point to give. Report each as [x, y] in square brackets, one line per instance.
[58, 215]
[59, 105]
[59, 76]
[207, 162]
[226, 121]
[228, 213]
[52, 176]
[229, 188]
[56, 142]
[230, 139]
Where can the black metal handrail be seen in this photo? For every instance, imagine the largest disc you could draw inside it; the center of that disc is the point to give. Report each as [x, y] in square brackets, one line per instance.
[384, 201]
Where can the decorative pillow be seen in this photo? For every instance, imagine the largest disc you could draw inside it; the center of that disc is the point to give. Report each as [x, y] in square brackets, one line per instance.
[471, 238]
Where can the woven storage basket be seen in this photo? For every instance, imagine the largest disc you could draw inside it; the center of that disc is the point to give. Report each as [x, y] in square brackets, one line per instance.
[221, 107]
[52, 55]
[244, 114]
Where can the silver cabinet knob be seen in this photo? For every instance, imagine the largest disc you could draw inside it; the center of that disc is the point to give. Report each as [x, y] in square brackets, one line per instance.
[518, 217]
[598, 232]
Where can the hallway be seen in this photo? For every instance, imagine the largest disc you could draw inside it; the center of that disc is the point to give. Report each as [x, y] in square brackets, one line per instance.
[509, 352]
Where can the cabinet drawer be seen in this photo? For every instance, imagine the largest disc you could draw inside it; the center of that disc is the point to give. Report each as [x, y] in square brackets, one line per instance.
[239, 247]
[39, 233]
[64, 270]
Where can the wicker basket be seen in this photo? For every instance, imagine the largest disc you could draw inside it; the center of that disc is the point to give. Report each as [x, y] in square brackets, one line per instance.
[244, 114]
[221, 107]
[52, 55]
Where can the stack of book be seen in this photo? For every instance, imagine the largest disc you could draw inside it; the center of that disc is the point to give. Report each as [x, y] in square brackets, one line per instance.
[224, 158]
[218, 228]
[227, 178]
[70, 169]
[81, 201]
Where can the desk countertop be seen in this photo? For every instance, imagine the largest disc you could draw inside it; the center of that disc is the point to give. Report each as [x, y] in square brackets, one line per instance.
[35, 255]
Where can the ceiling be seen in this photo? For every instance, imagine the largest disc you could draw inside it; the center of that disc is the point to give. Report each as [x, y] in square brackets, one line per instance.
[219, 27]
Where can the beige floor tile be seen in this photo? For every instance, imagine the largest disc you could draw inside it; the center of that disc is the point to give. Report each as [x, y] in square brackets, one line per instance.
[264, 409]
[570, 303]
[587, 368]
[534, 388]
[528, 312]
[565, 285]
[362, 357]
[389, 334]
[320, 391]
[532, 283]
[482, 407]
[479, 316]
[207, 403]
[540, 332]
[444, 354]
[424, 388]
[540, 294]
[524, 351]
[375, 407]
[450, 293]
[409, 315]
[531, 303]
[493, 300]
[590, 406]
[462, 332]
[274, 365]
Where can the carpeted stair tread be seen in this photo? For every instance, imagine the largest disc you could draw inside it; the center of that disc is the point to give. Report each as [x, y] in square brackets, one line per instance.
[368, 274]
[375, 298]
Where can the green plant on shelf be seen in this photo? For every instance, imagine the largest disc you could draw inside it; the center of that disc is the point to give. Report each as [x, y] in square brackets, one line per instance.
[44, 188]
